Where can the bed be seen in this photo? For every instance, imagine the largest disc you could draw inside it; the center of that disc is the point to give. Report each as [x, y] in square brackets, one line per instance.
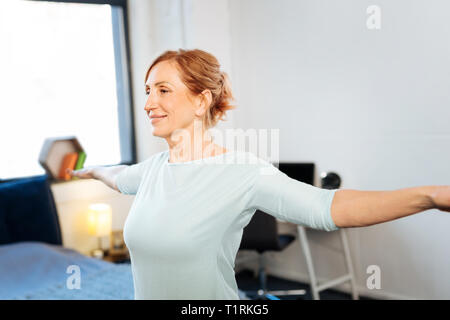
[35, 265]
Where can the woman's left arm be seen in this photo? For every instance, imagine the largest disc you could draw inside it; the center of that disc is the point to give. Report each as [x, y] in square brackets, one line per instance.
[355, 208]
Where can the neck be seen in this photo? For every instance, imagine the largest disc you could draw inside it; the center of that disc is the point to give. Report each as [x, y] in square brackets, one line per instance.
[190, 144]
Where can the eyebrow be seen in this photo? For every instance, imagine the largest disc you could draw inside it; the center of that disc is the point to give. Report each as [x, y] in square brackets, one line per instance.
[156, 84]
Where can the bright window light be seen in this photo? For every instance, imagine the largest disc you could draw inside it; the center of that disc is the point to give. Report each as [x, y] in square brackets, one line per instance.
[57, 79]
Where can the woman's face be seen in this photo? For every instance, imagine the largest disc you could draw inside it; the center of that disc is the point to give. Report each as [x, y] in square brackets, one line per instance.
[168, 96]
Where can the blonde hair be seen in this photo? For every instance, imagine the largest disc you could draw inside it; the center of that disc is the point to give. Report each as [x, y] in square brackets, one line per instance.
[200, 70]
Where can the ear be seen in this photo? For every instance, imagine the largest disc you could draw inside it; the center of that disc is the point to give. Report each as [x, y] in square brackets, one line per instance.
[204, 101]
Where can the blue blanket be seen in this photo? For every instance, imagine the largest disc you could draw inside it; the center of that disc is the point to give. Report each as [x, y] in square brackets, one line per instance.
[36, 270]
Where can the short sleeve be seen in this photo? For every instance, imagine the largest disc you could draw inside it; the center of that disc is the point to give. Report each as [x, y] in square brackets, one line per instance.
[291, 200]
[129, 179]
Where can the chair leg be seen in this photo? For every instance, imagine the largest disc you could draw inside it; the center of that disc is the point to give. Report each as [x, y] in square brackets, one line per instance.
[309, 263]
[315, 288]
[262, 275]
[263, 292]
[348, 261]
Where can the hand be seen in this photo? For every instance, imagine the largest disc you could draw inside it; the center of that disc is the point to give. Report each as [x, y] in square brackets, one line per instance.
[441, 198]
[85, 173]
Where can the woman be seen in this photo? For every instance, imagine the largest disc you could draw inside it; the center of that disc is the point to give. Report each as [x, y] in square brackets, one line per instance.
[193, 200]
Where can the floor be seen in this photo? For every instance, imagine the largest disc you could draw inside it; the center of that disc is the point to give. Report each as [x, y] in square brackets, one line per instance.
[247, 282]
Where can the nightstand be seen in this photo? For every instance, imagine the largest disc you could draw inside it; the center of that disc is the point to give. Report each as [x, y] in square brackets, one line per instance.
[120, 257]
[117, 252]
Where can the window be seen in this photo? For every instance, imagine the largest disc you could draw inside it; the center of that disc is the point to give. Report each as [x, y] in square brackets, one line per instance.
[64, 72]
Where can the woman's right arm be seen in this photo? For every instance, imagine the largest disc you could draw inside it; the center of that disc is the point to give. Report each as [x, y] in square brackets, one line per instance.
[107, 175]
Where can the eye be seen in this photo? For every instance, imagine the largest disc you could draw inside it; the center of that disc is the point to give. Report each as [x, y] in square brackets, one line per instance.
[163, 91]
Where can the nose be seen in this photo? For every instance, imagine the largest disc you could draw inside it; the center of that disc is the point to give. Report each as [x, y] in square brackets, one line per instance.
[150, 103]
[148, 107]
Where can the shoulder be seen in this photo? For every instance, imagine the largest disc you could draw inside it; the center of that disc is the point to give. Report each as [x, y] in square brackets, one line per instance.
[160, 156]
[156, 157]
[146, 164]
[257, 165]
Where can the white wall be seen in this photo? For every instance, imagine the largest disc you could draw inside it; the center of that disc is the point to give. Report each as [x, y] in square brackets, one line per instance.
[370, 105]
[207, 28]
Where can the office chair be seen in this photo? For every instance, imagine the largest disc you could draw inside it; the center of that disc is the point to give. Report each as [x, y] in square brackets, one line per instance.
[261, 235]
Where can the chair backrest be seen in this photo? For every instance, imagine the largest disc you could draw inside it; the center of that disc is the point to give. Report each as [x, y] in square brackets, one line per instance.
[261, 233]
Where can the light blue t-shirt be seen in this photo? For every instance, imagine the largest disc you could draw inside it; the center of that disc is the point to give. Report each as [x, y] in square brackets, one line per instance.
[185, 225]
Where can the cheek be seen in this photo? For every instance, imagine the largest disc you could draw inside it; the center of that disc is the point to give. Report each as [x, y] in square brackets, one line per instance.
[182, 111]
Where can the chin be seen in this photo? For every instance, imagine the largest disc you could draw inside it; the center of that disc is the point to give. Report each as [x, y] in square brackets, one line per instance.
[158, 133]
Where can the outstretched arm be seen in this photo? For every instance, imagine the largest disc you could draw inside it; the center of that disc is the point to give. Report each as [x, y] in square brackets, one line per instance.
[105, 174]
[355, 208]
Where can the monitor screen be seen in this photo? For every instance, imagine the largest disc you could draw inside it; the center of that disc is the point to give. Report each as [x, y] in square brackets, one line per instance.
[303, 172]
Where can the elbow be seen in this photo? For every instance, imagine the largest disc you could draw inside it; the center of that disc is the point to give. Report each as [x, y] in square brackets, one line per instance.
[337, 218]
[343, 211]
[336, 210]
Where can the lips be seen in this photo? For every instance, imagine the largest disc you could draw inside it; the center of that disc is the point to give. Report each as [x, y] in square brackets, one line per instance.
[157, 118]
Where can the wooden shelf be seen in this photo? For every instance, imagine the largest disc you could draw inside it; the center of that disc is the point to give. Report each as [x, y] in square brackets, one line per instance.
[53, 151]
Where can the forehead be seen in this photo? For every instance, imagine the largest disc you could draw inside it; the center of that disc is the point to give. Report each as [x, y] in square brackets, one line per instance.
[164, 71]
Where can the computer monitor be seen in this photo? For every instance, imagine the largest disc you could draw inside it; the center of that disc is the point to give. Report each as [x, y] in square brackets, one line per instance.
[303, 172]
